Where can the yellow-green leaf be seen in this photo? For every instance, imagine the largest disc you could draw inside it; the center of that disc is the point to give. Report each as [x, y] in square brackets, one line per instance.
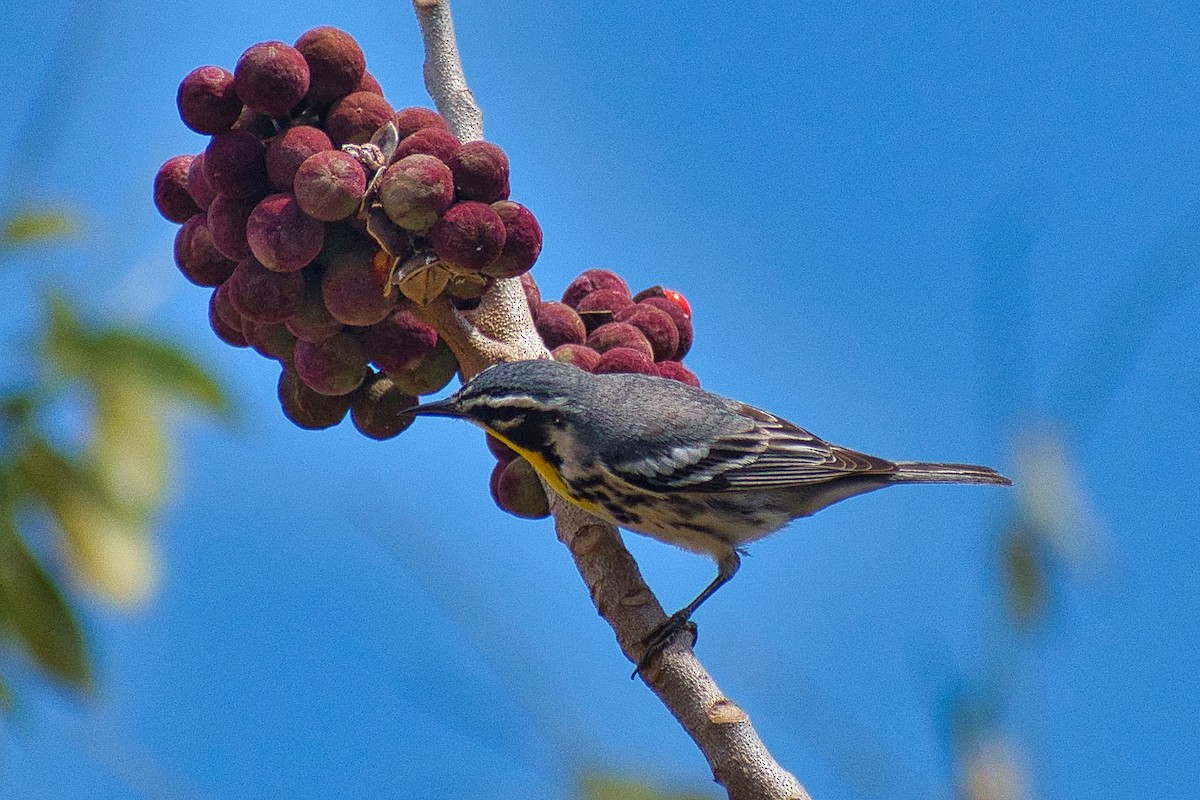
[108, 548]
[599, 786]
[129, 451]
[31, 226]
[36, 608]
[114, 354]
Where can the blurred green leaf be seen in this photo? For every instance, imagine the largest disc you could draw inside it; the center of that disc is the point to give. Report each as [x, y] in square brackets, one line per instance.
[599, 786]
[1024, 572]
[165, 367]
[115, 354]
[36, 609]
[30, 226]
[129, 451]
[107, 547]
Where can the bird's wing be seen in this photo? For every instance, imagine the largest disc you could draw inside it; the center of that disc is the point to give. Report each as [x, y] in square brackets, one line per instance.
[760, 452]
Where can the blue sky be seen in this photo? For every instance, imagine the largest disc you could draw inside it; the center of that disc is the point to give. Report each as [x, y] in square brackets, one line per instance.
[913, 229]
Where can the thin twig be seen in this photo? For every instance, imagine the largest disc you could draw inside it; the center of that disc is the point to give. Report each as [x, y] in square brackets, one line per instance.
[501, 329]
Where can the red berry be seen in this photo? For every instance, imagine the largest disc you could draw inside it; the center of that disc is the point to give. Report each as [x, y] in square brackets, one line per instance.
[335, 62]
[622, 359]
[415, 191]
[261, 295]
[335, 366]
[308, 409]
[676, 372]
[271, 78]
[330, 185]
[281, 236]
[589, 281]
[480, 172]
[469, 236]
[558, 324]
[207, 101]
[287, 152]
[170, 190]
[580, 355]
[410, 120]
[522, 241]
[375, 409]
[355, 118]
[235, 166]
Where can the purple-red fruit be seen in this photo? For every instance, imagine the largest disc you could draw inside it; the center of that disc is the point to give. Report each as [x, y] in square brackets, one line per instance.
[330, 185]
[235, 166]
[377, 405]
[400, 342]
[227, 333]
[415, 191]
[589, 281]
[436, 142]
[261, 125]
[369, 84]
[272, 340]
[287, 152]
[271, 78]
[313, 322]
[619, 334]
[502, 452]
[516, 489]
[533, 295]
[335, 366]
[336, 63]
[261, 295]
[599, 307]
[198, 187]
[354, 283]
[522, 241]
[676, 372]
[661, 291]
[558, 324]
[623, 359]
[480, 172]
[431, 375]
[355, 118]
[225, 310]
[207, 101]
[227, 218]
[683, 323]
[415, 118]
[281, 235]
[308, 409]
[170, 190]
[656, 324]
[196, 256]
[375, 409]
[469, 236]
[580, 355]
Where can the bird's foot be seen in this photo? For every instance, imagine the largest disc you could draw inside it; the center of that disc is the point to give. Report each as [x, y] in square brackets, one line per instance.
[661, 636]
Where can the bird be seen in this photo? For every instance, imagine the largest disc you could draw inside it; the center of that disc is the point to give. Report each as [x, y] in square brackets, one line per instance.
[674, 462]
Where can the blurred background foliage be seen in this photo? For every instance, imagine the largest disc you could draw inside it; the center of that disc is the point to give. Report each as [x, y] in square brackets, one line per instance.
[85, 462]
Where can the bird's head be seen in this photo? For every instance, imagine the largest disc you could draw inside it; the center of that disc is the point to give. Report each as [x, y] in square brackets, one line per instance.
[522, 402]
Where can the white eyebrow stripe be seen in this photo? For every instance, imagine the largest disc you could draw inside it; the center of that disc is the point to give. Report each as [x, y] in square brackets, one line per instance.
[519, 401]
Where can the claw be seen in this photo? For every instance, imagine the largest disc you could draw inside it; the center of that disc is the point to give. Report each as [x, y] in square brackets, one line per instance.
[661, 636]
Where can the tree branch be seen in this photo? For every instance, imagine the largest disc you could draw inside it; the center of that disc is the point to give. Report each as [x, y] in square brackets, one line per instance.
[501, 329]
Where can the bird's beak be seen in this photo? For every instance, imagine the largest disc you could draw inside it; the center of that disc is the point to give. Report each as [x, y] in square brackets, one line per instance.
[438, 408]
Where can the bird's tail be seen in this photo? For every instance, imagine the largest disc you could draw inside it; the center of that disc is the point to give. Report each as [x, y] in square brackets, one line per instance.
[928, 472]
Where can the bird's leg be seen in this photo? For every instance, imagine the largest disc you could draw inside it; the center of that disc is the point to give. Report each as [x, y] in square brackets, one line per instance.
[658, 638]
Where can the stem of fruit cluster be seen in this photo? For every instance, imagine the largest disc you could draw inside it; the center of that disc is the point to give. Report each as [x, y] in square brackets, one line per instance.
[502, 329]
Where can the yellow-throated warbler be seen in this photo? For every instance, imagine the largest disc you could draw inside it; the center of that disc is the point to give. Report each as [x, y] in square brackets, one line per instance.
[674, 462]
